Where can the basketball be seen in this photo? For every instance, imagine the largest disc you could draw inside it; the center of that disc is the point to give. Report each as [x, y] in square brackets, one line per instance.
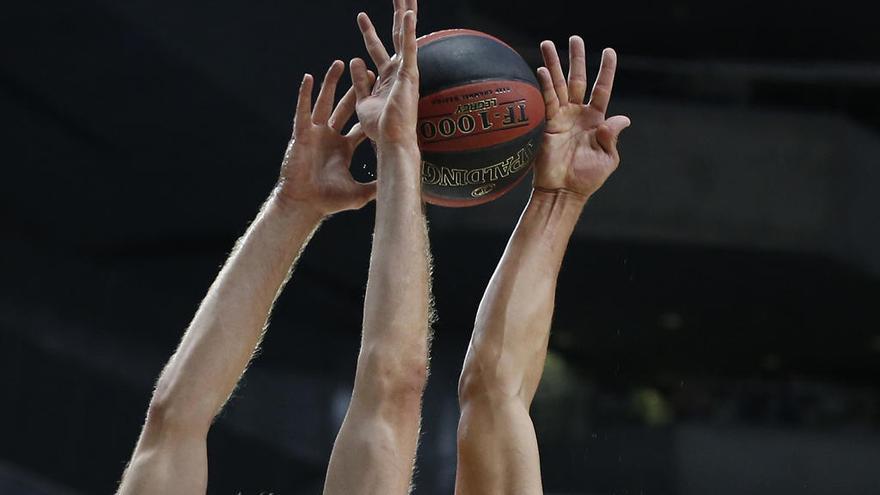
[481, 115]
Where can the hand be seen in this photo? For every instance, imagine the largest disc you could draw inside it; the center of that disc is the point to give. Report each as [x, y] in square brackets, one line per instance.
[315, 171]
[579, 151]
[390, 113]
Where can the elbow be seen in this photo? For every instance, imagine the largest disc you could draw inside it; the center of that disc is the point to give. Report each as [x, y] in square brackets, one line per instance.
[487, 379]
[394, 375]
[170, 416]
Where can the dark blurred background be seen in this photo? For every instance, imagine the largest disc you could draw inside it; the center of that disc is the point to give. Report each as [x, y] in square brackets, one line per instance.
[716, 329]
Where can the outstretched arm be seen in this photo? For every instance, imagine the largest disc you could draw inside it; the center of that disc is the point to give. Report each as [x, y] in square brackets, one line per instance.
[375, 449]
[498, 451]
[170, 456]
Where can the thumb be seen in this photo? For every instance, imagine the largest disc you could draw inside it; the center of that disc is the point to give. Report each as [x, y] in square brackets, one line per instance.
[368, 191]
[608, 133]
[356, 135]
[360, 78]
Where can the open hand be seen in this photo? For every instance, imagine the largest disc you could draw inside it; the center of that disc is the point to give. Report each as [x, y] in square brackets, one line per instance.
[579, 151]
[315, 171]
[389, 113]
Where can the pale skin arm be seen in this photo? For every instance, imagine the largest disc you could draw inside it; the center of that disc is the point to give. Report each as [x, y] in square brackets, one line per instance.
[171, 454]
[498, 450]
[376, 446]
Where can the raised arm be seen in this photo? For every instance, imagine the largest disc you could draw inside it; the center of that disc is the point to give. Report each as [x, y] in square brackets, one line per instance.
[498, 451]
[376, 446]
[170, 456]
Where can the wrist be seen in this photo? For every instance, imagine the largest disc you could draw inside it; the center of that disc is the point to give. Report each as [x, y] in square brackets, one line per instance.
[557, 206]
[399, 160]
[407, 149]
[293, 209]
[566, 197]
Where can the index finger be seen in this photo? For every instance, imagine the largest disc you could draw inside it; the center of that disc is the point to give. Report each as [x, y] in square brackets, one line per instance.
[601, 94]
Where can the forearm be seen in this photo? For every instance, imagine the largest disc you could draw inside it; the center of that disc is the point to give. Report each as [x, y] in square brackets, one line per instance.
[396, 307]
[513, 320]
[228, 325]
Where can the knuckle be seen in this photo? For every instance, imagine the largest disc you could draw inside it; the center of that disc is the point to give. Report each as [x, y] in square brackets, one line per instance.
[601, 92]
[407, 74]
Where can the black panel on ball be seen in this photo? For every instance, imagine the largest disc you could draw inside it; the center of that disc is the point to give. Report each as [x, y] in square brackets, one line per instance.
[477, 159]
[466, 58]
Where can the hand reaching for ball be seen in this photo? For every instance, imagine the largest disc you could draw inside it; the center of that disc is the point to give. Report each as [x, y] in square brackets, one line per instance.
[315, 173]
[389, 113]
[579, 151]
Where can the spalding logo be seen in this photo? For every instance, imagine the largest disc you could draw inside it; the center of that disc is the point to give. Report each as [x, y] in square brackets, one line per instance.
[483, 190]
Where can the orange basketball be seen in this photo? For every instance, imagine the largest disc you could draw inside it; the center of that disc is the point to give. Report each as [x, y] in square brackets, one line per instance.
[481, 116]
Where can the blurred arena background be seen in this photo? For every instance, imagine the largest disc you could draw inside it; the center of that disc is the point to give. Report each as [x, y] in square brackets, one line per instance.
[716, 331]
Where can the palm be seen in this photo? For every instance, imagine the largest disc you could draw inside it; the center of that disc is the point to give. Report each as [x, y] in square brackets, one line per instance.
[570, 138]
[379, 113]
[370, 108]
[315, 168]
[579, 148]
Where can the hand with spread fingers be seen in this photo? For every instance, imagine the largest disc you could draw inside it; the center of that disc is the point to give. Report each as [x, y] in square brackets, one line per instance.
[389, 113]
[579, 151]
[315, 171]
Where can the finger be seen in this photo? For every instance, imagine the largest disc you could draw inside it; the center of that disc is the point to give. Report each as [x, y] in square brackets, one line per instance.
[577, 70]
[411, 5]
[618, 123]
[367, 191]
[343, 111]
[551, 101]
[409, 64]
[606, 139]
[324, 103]
[360, 79]
[371, 40]
[397, 27]
[356, 135]
[303, 114]
[371, 78]
[551, 61]
[604, 81]
[608, 133]
[346, 106]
